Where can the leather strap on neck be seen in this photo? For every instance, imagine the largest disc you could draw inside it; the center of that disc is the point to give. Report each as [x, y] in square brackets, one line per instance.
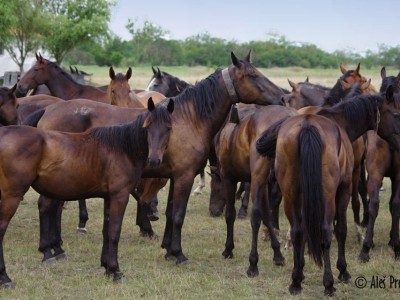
[229, 85]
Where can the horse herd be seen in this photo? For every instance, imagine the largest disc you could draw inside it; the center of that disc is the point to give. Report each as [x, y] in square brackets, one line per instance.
[307, 147]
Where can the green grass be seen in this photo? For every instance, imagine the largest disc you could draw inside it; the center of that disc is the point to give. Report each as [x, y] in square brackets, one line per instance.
[207, 275]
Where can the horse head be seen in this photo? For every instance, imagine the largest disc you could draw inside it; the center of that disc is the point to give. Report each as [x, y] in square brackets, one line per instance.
[158, 125]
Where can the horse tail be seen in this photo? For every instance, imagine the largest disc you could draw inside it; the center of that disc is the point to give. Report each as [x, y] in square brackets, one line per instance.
[310, 152]
[266, 144]
[34, 118]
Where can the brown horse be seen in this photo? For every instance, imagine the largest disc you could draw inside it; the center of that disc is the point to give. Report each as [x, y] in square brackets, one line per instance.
[8, 106]
[239, 161]
[79, 115]
[382, 161]
[199, 113]
[104, 162]
[313, 166]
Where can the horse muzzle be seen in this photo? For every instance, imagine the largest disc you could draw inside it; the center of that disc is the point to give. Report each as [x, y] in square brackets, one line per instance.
[153, 162]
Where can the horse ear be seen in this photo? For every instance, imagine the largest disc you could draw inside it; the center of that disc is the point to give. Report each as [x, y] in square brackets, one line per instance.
[112, 73]
[390, 94]
[128, 73]
[366, 84]
[307, 79]
[342, 69]
[154, 70]
[76, 70]
[159, 72]
[171, 105]
[398, 77]
[70, 69]
[249, 57]
[383, 73]
[150, 104]
[357, 70]
[235, 60]
[293, 85]
[37, 56]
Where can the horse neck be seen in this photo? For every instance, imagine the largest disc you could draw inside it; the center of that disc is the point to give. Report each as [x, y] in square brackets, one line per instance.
[134, 101]
[353, 129]
[62, 87]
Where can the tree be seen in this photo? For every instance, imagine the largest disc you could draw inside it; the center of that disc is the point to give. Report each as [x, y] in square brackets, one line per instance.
[21, 32]
[72, 21]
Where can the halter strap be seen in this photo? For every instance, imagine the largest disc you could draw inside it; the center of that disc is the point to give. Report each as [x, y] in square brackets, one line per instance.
[229, 85]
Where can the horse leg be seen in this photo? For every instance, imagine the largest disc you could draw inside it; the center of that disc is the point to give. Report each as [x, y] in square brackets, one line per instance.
[228, 192]
[201, 184]
[395, 212]
[117, 207]
[50, 226]
[142, 220]
[166, 242]
[105, 249]
[374, 184]
[255, 221]
[327, 239]
[83, 217]
[245, 201]
[355, 200]
[240, 190]
[362, 190]
[182, 188]
[8, 207]
[55, 232]
[341, 234]
[296, 233]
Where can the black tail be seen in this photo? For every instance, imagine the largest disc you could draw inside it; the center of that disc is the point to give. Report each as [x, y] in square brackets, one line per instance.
[34, 118]
[310, 150]
[266, 144]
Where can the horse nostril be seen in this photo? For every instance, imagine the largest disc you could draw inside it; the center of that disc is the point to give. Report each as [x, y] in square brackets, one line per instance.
[153, 162]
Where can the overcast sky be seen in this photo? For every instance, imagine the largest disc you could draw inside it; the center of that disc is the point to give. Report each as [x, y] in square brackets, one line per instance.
[329, 24]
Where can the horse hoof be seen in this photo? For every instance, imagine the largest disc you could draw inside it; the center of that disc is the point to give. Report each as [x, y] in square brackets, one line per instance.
[280, 261]
[81, 230]
[294, 290]
[252, 272]
[227, 254]
[7, 285]
[242, 215]
[119, 277]
[61, 256]
[330, 291]
[344, 277]
[182, 261]
[169, 257]
[363, 257]
[50, 261]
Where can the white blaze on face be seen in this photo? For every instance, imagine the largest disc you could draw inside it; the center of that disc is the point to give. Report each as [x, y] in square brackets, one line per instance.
[150, 84]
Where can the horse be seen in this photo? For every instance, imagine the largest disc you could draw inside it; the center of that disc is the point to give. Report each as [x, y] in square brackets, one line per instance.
[8, 106]
[104, 162]
[313, 166]
[199, 113]
[239, 161]
[382, 161]
[79, 115]
[305, 94]
[166, 83]
[171, 86]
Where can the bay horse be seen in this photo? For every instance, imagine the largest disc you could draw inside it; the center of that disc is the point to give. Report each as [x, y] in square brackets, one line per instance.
[305, 94]
[171, 86]
[382, 161]
[313, 166]
[239, 161]
[104, 162]
[79, 115]
[199, 113]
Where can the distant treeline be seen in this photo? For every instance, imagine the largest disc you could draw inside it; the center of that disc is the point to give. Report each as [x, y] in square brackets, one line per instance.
[150, 45]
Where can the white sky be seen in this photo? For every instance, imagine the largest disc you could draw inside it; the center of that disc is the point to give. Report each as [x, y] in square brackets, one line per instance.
[329, 24]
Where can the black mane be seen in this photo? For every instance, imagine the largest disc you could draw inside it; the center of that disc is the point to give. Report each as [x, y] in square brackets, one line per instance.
[337, 93]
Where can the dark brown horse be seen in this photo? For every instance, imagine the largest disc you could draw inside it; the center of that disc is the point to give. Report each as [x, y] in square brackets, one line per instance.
[313, 166]
[382, 161]
[8, 106]
[199, 113]
[239, 161]
[166, 84]
[104, 162]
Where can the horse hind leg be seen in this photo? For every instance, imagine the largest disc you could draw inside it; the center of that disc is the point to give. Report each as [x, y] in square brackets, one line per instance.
[298, 243]
[8, 207]
[395, 212]
[328, 280]
[83, 217]
[201, 185]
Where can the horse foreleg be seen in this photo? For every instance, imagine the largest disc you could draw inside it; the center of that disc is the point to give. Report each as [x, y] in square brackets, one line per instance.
[395, 212]
[166, 242]
[373, 185]
[8, 207]
[355, 200]
[182, 188]
[228, 193]
[83, 217]
[362, 190]
[142, 220]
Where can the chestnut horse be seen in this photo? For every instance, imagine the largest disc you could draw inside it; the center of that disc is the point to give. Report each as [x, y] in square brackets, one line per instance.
[313, 166]
[104, 162]
[199, 113]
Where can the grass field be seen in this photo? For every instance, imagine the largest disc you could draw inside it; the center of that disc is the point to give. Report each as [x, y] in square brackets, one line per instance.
[207, 275]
